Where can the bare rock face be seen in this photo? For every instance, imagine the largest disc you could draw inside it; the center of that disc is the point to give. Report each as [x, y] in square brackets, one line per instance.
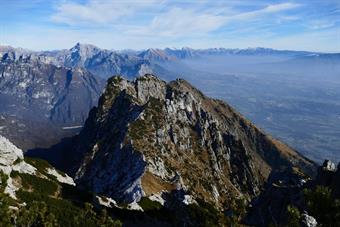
[149, 137]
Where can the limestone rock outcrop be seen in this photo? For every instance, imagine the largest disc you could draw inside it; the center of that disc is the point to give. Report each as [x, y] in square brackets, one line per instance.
[148, 137]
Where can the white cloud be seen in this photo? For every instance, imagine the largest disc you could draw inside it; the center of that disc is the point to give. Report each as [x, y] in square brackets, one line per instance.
[139, 24]
[280, 7]
[97, 11]
[320, 24]
[266, 10]
[178, 22]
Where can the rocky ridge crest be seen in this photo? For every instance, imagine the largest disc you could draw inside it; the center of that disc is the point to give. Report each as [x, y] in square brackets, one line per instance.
[148, 137]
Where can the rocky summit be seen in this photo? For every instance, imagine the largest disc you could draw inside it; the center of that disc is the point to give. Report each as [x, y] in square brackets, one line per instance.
[149, 138]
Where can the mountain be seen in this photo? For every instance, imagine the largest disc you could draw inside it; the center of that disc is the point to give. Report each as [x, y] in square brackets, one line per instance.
[37, 97]
[290, 94]
[164, 154]
[168, 54]
[172, 54]
[106, 63]
[100, 62]
[52, 91]
[156, 55]
[149, 138]
[293, 95]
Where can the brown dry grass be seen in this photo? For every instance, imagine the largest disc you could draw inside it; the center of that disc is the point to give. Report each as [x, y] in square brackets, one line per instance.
[152, 184]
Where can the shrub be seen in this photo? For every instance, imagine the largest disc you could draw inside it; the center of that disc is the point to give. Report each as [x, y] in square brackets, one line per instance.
[293, 216]
[322, 206]
[204, 214]
[148, 204]
[61, 211]
[5, 213]
[40, 164]
[39, 185]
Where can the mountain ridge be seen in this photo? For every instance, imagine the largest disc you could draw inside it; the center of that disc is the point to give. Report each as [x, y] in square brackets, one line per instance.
[169, 136]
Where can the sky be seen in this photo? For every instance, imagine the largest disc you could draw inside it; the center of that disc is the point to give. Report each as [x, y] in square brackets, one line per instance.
[312, 25]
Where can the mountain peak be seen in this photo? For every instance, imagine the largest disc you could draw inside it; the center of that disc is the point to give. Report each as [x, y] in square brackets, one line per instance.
[79, 46]
[85, 50]
[157, 137]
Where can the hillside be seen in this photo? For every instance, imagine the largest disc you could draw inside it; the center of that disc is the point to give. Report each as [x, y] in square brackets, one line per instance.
[36, 96]
[148, 138]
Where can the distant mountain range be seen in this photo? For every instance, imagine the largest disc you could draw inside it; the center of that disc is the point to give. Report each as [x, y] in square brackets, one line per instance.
[105, 63]
[274, 88]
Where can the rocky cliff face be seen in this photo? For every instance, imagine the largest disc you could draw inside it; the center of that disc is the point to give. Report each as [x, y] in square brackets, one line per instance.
[36, 96]
[148, 137]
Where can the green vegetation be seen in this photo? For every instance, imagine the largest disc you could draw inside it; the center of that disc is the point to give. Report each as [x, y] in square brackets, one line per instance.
[36, 214]
[49, 203]
[53, 204]
[3, 180]
[320, 205]
[236, 211]
[148, 204]
[61, 212]
[37, 184]
[323, 206]
[205, 214]
[115, 79]
[294, 216]
[40, 164]
[5, 214]
[44, 210]
[137, 129]
[17, 161]
[154, 118]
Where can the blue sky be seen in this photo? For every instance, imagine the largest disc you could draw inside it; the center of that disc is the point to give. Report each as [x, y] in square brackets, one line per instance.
[138, 24]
